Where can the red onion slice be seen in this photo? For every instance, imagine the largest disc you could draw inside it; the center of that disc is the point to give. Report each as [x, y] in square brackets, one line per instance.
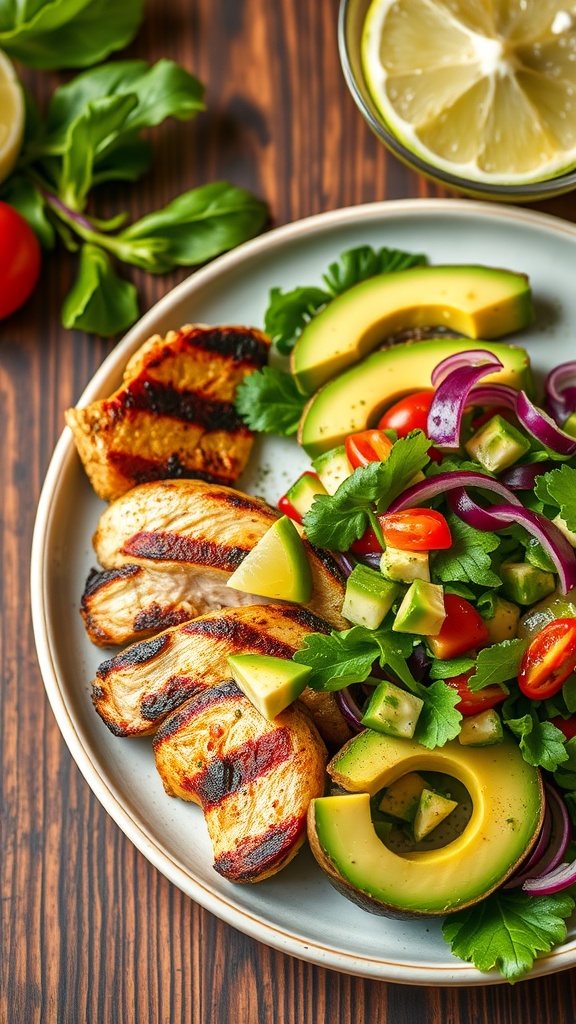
[349, 708]
[452, 397]
[523, 478]
[441, 483]
[460, 360]
[555, 881]
[501, 395]
[497, 516]
[543, 427]
[560, 391]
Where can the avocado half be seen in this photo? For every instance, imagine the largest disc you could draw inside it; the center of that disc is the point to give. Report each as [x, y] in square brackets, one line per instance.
[358, 397]
[508, 808]
[476, 301]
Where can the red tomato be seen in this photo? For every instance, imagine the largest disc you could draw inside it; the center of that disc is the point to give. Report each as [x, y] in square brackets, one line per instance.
[566, 725]
[473, 703]
[367, 544]
[367, 446]
[410, 413]
[19, 260]
[286, 507]
[463, 629]
[416, 529]
[549, 660]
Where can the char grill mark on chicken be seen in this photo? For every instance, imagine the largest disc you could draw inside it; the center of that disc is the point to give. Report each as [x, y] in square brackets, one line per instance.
[253, 778]
[135, 691]
[173, 416]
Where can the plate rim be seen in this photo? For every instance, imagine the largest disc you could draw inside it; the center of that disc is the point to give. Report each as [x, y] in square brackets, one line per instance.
[252, 924]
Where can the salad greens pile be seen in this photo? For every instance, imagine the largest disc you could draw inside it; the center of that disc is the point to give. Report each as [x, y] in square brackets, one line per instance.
[92, 133]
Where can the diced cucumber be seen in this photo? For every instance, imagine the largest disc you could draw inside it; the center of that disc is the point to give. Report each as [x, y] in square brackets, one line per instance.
[402, 797]
[497, 445]
[504, 622]
[303, 491]
[525, 583]
[481, 730]
[563, 527]
[432, 809]
[570, 425]
[369, 597]
[422, 609]
[392, 710]
[405, 566]
[333, 468]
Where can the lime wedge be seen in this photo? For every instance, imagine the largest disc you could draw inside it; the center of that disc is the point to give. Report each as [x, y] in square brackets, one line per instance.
[271, 684]
[483, 91]
[12, 116]
[277, 566]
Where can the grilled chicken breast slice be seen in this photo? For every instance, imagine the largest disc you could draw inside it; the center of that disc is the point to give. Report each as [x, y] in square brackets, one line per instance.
[174, 414]
[136, 690]
[201, 531]
[254, 779]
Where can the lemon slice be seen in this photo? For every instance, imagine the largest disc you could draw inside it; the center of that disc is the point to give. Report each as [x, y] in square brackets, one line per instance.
[12, 116]
[485, 91]
[277, 566]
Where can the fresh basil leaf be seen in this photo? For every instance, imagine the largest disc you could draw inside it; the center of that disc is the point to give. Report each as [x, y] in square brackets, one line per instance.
[54, 34]
[87, 136]
[99, 301]
[288, 313]
[193, 228]
[450, 667]
[127, 160]
[269, 401]
[497, 663]
[162, 90]
[20, 193]
[358, 264]
[507, 930]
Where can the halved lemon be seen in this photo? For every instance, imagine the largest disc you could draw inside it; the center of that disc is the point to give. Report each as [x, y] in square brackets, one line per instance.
[12, 116]
[484, 91]
[277, 566]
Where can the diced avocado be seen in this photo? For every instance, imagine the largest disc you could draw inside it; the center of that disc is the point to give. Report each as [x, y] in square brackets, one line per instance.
[405, 566]
[303, 491]
[270, 683]
[524, 583]
[401, 799]
[369, 597]
[569, 426]
[537, 555]
[277, 566]
[554, 606]
[421, 610]
[432, 809]
[478, 302]
[481, 730]
[503, 623]
[508, 806]
[497, 445]
[392, 710]
[333, 468]
[563, 527]
[357, 398]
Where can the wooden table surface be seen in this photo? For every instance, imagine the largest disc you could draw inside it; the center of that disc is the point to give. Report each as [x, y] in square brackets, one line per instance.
[91, 932]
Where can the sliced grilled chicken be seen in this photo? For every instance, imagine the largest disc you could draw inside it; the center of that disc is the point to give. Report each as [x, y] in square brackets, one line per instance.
[254, 779]
[186, 537]
[174, 414]
[135, 691]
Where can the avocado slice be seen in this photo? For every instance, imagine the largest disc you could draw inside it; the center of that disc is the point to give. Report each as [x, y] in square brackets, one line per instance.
[270, 683]
[479, 302]
[357, 398]
[508, 808]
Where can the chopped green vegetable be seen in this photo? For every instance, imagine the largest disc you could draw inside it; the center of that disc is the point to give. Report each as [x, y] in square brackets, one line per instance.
[268, 400]
[468, 559]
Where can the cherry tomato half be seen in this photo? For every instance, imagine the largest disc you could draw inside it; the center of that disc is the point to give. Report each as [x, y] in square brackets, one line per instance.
[463, 629]
[473, 703]
[566, 725]
[286, 507]
[416, 529]
[410, 413]
[367, 446]
[19, 260]
[367, 544]
[549, 660]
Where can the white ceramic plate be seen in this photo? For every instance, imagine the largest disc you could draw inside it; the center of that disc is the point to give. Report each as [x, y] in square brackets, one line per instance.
[297, 911]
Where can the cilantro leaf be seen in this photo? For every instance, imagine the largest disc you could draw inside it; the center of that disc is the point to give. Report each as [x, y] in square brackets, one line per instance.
[507, 930]
[566, 775]
[289, 312]
[450, 667]
[269, 401]
[468, 559]
[541, 743]
[497, 663]
[439, 721]
[558, 487]
[335, 521]
[358, 264]
[407, 457]
[336, 660]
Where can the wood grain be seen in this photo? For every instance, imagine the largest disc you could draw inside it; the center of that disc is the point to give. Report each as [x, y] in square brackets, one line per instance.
[91, 933]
